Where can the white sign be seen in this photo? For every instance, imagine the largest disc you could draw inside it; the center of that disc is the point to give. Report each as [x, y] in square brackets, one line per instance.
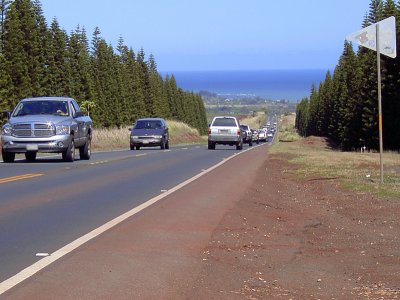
[366, 37]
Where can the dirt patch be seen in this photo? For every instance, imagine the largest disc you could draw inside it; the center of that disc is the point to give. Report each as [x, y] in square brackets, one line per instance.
[300, 239]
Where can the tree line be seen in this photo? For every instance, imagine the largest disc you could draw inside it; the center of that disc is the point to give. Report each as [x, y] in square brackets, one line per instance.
[344, 107]
[116, 86]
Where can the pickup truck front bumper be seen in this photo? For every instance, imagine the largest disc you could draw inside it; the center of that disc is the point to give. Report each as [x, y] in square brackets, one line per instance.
[55, 144]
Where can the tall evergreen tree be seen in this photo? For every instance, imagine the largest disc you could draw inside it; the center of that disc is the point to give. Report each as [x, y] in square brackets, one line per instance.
[390, 87]
[39, 60]
[17, 44]
[325, 95]
[313, 112]
[302, 115]
[58, 78]
[135, 88]
[350, 96]
[3, 10]
[6, 103]
[79, 67]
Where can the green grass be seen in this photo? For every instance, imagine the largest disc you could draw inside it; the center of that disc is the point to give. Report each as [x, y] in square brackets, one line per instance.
[356, 171]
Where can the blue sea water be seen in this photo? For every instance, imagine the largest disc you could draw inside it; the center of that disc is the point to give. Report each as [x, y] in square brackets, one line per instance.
[291, 85]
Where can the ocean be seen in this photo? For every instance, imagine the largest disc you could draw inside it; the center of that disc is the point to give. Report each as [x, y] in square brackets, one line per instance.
[291, 85]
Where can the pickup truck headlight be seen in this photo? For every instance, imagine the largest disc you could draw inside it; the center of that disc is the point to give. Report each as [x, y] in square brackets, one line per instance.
[62, 130]
[6, 130]
[158, 136]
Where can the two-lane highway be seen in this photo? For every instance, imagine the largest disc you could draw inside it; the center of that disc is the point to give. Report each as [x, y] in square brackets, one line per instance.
[46, 204]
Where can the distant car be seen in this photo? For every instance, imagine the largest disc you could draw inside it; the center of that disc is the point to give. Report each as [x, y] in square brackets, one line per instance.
[225, 130]
[262, 135]
[255, 136]
[247, 134]
[270, 137]
[149, 132]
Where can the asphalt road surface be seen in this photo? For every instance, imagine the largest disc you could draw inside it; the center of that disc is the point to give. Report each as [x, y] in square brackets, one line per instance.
[46, 204]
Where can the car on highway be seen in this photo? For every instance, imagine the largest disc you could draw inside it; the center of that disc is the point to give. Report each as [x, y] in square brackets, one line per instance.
[247, 134]
[149, 132]
[262, 135]
[225, 130]
[270, 136]
[49, 125]
[255, 136]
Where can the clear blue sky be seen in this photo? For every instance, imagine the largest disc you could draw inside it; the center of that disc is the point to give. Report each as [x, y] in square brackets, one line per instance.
[220, 34]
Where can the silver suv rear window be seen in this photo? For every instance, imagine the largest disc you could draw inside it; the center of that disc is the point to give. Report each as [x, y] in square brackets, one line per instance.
[226, 122]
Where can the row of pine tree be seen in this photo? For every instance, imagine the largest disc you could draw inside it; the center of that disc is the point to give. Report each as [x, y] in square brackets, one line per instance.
[116, 86]
[345, 105]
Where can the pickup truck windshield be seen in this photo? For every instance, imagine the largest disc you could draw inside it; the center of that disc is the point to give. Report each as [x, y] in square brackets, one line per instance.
[41, 108]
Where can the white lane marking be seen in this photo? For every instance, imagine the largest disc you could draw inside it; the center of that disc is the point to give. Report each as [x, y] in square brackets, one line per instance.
[163, 191]
[100, 162]
[52, 257]
[42, 254]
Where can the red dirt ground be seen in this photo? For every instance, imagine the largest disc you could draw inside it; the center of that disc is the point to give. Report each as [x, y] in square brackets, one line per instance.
[297, 239]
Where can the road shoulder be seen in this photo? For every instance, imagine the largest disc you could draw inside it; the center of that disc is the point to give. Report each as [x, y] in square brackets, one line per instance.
[158, 253]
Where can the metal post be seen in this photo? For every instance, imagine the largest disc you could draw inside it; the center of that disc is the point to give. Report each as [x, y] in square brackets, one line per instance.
[378, 55]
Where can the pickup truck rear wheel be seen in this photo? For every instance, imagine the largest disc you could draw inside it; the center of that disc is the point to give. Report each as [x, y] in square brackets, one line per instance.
[69, 154]
[8, 157]
[30, 156]
[86, 150]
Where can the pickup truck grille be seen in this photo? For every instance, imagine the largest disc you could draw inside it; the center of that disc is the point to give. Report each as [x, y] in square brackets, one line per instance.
[33, 130]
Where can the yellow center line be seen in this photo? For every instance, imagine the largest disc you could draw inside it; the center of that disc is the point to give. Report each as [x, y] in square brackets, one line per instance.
[19, 177]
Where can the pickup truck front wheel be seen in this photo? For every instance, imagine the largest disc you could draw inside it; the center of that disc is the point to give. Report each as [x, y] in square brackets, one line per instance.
[69, 154]
[8, 157]
[86, 150]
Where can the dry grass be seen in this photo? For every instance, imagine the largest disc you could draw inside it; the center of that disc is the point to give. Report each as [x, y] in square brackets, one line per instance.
[254, 122]
[110, 139]
[287, 132]
[355, 170]
[116, 139]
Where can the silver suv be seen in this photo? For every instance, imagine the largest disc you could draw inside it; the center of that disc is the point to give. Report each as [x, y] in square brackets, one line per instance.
[225, 131]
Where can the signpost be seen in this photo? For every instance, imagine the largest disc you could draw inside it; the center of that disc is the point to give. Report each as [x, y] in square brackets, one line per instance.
[380, 37]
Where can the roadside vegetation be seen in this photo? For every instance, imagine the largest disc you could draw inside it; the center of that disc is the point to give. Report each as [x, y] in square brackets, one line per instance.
[344, 107]
[256, 121]
[315, 159]
[115, 85]
[180, 133]
[118, 139]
